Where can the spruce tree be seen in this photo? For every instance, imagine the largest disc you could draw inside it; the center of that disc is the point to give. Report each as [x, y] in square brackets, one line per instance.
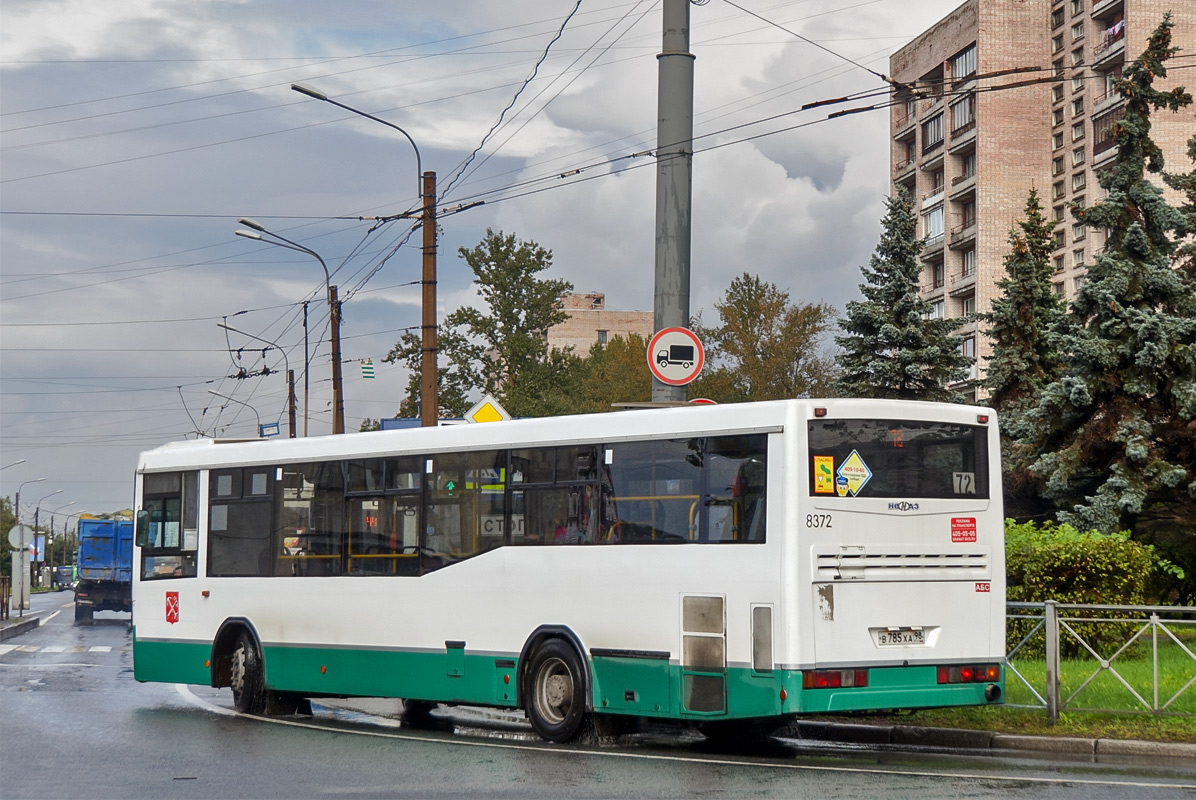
[1023, 318]
[1116, 433]
[1186, 230]
[892, 348]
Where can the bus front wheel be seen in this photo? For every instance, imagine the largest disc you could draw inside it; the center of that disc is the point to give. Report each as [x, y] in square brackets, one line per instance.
[248, 682]
[556, 698]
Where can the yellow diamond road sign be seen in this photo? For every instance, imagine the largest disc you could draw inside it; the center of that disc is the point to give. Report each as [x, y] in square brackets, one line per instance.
[487, 410]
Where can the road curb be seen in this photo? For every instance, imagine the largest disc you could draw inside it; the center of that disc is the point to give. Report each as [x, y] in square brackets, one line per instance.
[12, 629]
[1044, 744]
[1133, 747]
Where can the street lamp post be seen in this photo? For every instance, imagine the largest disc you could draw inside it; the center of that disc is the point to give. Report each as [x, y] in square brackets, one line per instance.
[17, 510]
[334, 312]
[36, 516]
[50, 541]
[290, 375]
[426, 187]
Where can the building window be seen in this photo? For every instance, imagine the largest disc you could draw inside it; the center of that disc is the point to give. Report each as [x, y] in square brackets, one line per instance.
[1077, 231]
[967, 305]
[969, 263]
[1058, 289]
[1077, 7]
[1058, 263]
[969, 166]
[1057, 141]
[1079, 282]
[963, 113]
[932, 225]
[964, 64]
[969, 213]
[1058, 68]
[1078, 181]
[1077, 31]
[1057, 43]
[1077, 107]
[1057, 166]
[1077, 157]
[602, 337]
[1059, 190]
[1058, 213]
[1078, 202]
[968, 345]
[1077, 83]
[1077, 132]
[1056, 18]
[1077, 257]
[936, 275]
[936, 310]
[1077, 57]
[1056, 94]
[932, 133]
[1057, 116]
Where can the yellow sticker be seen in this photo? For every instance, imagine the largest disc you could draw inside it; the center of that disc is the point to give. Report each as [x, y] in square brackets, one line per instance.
[855, 472]
[824, 474]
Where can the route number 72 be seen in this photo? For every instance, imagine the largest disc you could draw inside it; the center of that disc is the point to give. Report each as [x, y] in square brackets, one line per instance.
[965, 482]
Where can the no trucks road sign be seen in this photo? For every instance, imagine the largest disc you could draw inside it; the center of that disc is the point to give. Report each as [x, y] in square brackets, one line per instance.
[676, 356]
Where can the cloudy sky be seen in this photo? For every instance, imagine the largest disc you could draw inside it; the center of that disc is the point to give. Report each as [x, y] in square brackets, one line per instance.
[134, 134]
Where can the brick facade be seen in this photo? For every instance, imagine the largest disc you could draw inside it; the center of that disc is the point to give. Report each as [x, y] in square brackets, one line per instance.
[590, 323]
[971, 171]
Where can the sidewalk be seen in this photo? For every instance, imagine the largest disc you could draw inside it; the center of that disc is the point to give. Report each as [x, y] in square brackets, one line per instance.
[847, 733]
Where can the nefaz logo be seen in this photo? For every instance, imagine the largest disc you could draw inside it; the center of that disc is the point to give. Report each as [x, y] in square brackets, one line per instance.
[904, 505]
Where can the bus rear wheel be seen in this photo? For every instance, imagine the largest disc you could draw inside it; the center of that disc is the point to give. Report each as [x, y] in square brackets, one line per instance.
[248, 680]
[556, 705]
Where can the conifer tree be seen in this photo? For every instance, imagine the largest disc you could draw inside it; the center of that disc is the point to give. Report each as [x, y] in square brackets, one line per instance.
[1116, 433]
[1186, 231]
[1023, 318]
[891, 347]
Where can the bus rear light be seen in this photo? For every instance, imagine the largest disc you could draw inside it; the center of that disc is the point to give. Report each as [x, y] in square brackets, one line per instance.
[820, 412]
[983, 673]
[982, 419]
[834, 679]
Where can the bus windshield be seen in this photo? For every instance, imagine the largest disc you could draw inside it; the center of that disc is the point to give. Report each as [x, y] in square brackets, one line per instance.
[889, 458]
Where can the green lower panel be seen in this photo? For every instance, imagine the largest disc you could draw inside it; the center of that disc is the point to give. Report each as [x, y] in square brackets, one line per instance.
[447, 676]
[171, 661]
[634, 686]
[890, 688]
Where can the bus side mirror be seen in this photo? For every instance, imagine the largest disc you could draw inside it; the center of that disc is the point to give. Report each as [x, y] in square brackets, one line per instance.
[143, 529]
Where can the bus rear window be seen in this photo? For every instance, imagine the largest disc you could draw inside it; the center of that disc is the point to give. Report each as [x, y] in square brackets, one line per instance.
[898, 459]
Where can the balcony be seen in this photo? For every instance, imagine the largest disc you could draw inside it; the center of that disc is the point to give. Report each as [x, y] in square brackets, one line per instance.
[1104, 132]
[962, 280]
[904, 126]
[963, 234]
[933, 246]
[963, 184]
[933, 196]
[1106, 100]
[1103, 8]
[902, 168]
[1112, 43]
[962, 136]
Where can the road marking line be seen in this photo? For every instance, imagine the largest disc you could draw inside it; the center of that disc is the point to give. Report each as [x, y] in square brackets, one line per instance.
[99, 648]
[7, 648]
[54, 649]
[27, 648]
[52, 616]
[185, 691]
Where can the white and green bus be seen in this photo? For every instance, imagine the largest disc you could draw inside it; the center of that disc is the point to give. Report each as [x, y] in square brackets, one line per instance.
[718, 565]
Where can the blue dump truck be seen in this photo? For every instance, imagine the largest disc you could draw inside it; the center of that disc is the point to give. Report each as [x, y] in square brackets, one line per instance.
[105, 564]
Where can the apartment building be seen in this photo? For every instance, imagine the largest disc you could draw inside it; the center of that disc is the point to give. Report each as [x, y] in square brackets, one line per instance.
[591, 322]
[980, 128]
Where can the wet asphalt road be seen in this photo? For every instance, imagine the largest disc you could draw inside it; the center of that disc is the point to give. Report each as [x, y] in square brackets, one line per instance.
[74, 723]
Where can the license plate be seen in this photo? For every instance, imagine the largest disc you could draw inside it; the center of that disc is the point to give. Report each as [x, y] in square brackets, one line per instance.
[900, 637]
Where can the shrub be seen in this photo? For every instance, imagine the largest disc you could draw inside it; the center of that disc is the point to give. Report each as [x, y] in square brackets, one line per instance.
[1058, 562]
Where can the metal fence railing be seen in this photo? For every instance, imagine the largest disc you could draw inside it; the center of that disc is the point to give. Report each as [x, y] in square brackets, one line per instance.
[1103, 646]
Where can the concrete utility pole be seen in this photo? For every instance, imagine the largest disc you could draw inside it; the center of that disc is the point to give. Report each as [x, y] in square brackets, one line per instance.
[429, 391]
[674, 160]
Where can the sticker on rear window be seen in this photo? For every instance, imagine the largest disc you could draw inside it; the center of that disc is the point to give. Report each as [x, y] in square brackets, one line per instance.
[854, 473]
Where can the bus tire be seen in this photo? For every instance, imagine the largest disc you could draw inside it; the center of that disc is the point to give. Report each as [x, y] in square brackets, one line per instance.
[556, 697]
[248, 678]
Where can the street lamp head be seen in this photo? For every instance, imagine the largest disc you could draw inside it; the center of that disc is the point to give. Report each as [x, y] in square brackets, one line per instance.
[251, 223]
[307, 90]
[250, 235]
